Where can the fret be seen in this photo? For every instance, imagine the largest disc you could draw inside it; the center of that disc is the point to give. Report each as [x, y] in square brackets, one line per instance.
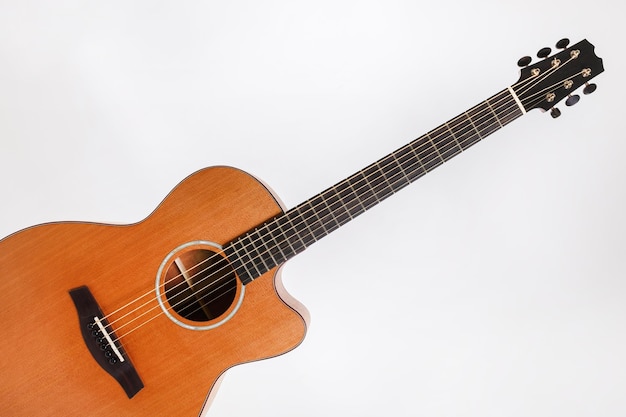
[410, 163]
[271, 240]
[241, 262]
[483, 119]
[395, 161]
[393, 172]
[395, 175]
[276, 252]
[341, 197]
[509, 115]
[336, 206]
[351, 192]
[347, 197]
[363, 191]
[265, 254]
[293, 244]
[246, 260]
[237, 263]
[504, 107]
[493, 112]
[330, 226]
[508, 111]
[477, 132]
[444, 141]
[279, 238]
[456, 141]
[324, 213]
[288, 234]
[428, 157]
[256, 249]
[301, 226]
[316, 226]
[295, 240]
[464, 130]
[378, 182]
[249, 259]
[419, 164]
[432, 143]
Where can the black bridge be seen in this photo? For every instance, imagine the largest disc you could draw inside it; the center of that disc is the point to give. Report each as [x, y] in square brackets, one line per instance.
[101, 342]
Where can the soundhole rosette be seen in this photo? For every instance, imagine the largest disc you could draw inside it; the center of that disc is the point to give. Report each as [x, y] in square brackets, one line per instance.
[197, 288]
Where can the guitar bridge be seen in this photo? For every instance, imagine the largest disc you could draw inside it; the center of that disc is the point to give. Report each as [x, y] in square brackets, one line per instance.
[101, 342]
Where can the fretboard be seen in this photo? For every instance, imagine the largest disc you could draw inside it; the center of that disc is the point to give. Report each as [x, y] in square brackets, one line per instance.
[286, 235]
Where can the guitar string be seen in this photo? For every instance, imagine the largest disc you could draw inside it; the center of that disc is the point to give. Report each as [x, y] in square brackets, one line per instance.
[321, 225]
[528, 81]
[252, 242]
[158, 315]
[312, 207]
[399, 173]
[393, 182]
[531, 100]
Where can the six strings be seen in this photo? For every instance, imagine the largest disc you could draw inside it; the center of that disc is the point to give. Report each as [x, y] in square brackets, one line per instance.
[503, 105]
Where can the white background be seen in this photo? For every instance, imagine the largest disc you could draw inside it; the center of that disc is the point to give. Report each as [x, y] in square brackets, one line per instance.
[495, 286]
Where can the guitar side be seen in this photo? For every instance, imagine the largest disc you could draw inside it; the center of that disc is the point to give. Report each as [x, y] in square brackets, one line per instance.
[46, 367]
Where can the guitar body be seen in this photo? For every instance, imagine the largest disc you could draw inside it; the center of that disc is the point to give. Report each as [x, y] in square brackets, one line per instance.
[46, 367]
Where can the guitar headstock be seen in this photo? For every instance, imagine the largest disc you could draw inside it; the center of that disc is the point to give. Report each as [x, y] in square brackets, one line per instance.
[545, 83]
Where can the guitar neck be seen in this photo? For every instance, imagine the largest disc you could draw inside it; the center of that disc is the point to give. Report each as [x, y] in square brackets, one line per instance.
[286, 235]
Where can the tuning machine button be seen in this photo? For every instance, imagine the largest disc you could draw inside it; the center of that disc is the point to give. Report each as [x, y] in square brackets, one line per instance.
[544, 52]
[589, 88]
[562, 44]
[524, 61]
[572, 99]
[555, 112]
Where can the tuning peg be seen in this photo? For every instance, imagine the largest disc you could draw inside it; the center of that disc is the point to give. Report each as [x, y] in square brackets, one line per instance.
[562, 44]
[544, 52]
[555, 112]
[524, 61]
[589, 88]
[572, 99]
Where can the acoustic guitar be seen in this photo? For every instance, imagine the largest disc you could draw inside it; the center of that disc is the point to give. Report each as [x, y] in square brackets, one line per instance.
[144, 319]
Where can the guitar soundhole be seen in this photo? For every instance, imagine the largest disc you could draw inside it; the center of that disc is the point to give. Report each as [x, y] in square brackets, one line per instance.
[200, 285]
